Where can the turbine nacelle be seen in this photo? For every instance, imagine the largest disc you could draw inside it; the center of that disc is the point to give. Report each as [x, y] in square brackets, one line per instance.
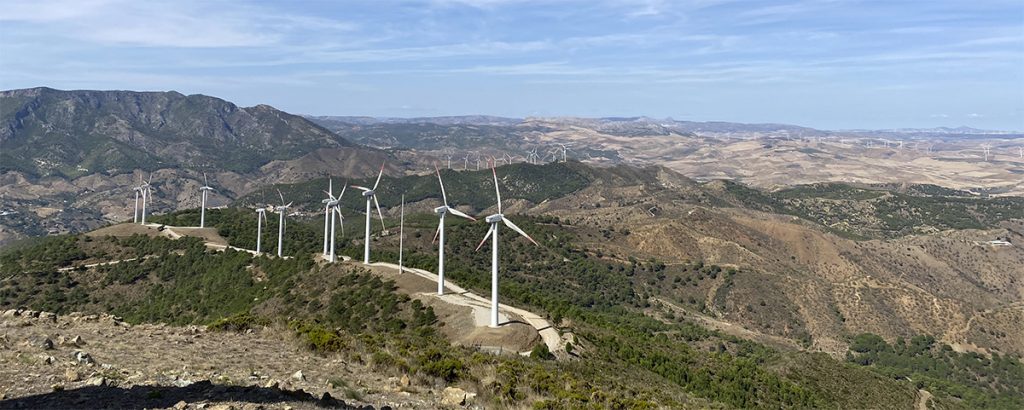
[441, 210]
[493, 219]
[368, 193]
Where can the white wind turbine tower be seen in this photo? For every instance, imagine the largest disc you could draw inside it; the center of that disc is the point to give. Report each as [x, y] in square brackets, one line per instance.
[465, 165]
[335, 212]
[986, 148]
[441, 211]
[138, 191]
[147, 190]
[370, 193]
[478, 162]
[449, 160]
[280, 227]
[563, 152]
[204, 190]
[327, 212]
[261, 215]
[493, 233]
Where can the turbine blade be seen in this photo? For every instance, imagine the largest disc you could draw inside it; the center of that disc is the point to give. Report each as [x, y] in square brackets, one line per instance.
[330, 196]
[444, 197]
[496, 192]
[379, 213]
[330, 186]
[205, 182]
[436, 232]
[342, 191]
[280, 195]
[457, 212]
[513, 226]
[489, 232]
[361, 188]
[379, 175]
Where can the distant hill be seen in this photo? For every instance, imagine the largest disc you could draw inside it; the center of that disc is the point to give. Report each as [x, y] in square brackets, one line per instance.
[73, 133]
[69, 159]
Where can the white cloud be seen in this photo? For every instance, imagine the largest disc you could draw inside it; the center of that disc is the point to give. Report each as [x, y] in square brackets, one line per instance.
[187, 24]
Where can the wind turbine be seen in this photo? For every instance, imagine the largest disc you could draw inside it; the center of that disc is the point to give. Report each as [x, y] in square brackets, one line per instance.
[261, 215]
[478, 162]
[441, 211]
[205, 189]
[280, 227]
[371, 193]
[335, 212]
[465, 165]
[449, 161]
[563, 152]
[147, 190]
[327, 211]
[493, 233]
[138, 191]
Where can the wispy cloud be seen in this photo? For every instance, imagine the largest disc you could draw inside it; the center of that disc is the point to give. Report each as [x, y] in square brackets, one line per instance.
[189, 24]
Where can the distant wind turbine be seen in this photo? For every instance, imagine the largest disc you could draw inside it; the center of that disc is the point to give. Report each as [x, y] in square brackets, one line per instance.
[261, 215]
[371, 194]
[327, 212]
[138, 191]
[280, 227]
[441, 211]
[147, 191]
[204, 190]
[335, 212]
[493, 233]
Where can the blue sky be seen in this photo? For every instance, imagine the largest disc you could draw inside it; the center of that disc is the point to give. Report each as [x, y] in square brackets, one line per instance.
[826, 64]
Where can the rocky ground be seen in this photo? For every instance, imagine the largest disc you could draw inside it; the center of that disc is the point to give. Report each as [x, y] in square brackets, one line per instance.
[99, 361]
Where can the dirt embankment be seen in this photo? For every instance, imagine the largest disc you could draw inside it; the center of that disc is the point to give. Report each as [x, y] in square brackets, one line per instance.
[98, 361]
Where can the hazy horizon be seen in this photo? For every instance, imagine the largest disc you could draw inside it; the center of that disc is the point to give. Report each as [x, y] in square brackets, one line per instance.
[834, 65]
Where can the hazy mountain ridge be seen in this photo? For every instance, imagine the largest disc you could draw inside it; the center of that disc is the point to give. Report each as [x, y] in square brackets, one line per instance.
[69, 159]
[72, 133]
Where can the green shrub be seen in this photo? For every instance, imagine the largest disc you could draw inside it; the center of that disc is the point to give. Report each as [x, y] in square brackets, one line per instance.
[239, 323]
[540, 351]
